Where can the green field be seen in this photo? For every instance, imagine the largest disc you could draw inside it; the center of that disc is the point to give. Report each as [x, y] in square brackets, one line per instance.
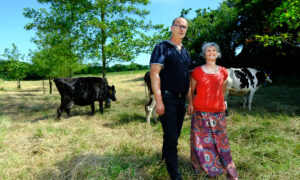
[118, 144]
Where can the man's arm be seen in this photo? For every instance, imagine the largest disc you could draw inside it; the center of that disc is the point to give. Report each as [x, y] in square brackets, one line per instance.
[155, 84]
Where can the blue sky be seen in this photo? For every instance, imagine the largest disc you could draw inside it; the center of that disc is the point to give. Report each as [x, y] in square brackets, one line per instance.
[12, 21]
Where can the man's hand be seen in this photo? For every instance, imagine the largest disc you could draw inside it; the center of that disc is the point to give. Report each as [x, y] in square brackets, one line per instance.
[160, 108]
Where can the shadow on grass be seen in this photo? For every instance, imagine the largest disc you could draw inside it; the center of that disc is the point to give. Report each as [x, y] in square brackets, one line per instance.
[31, 90]
[269, 99]
[43, 118]
[126, 118]
[135, 80]
[115, 166]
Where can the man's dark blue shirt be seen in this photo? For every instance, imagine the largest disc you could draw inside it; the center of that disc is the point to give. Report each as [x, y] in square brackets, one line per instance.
[174, 75]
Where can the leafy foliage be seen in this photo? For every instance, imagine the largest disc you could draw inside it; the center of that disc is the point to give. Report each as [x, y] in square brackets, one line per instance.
[14, 69]
[282, 25]
[266, 33]
[106, 30]
[213, 25]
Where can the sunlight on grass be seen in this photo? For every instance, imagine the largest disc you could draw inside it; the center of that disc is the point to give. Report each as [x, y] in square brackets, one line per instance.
[119, 144]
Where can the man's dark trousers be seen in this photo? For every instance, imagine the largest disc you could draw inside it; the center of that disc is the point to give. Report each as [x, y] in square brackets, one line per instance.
[172, 121]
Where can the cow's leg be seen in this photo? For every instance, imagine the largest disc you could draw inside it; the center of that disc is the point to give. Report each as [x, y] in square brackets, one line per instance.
[153, 104]
[245, 101]
[250, 99]
[101, 106]
[226, 110]
[93, 108]
[148, 114]
[59, 111]
[68, 111]
[107, 103]
[154, 115]
[68, 107]
[150, 109]
[225, 99]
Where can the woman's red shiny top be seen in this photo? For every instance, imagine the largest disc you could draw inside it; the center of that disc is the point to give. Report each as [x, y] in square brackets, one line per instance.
[209, 88]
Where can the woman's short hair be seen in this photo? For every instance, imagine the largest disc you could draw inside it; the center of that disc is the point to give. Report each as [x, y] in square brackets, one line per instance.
[210, 44]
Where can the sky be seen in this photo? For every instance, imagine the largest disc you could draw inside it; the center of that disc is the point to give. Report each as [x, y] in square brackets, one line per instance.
[12, 21]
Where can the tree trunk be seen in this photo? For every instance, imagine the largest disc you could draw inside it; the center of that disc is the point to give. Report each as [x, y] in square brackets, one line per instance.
[50, 86]
[103, 41]
[19, 84]
[71, 72]
[103, 68]
[44, 87]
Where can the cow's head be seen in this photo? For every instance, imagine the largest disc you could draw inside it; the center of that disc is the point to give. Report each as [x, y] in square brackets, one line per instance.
[267, 74]
[263, 77]
[268, 77]
[112, 93]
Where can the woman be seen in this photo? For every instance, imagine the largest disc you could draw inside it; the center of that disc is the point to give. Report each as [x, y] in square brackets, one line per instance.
[209, 142]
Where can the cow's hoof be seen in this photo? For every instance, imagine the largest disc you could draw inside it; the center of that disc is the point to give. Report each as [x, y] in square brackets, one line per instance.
[107, 104]
[57, 119]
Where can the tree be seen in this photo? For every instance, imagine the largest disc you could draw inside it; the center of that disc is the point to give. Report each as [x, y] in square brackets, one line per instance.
[108, 30]
[212, 26]
[16, 69]
[271, 22]
[58, 30]
[52, 61]
[116, 33]
[263, 29]
[282, 25]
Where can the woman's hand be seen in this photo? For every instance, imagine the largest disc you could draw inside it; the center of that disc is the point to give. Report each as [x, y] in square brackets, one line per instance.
[190, 110]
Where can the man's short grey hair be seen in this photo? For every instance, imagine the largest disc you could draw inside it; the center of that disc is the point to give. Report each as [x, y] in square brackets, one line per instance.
[210, 44]
[173, 22]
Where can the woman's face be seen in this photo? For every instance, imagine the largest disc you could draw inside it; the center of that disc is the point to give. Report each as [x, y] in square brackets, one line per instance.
[211, 53]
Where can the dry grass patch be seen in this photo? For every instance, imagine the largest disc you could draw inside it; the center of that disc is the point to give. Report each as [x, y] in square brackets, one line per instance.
[119, 144]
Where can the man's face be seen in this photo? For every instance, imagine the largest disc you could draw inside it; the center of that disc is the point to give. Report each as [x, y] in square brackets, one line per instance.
[179, 28]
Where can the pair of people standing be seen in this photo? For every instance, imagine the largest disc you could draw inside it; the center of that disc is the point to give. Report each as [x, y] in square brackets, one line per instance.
[172, 80]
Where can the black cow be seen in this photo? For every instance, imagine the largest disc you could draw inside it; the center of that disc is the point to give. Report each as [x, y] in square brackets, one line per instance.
[83, 91]
[150, 102]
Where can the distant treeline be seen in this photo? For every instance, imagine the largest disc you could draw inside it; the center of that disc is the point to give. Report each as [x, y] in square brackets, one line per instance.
[32, 74]
[92, 69]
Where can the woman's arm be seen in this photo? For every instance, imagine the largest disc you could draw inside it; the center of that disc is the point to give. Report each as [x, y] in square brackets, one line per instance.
[191, 96]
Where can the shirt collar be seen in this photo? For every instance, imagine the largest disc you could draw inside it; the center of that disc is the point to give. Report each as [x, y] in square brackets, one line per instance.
[170, 42]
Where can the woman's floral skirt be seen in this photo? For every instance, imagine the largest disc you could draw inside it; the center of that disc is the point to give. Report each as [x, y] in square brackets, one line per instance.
[210, 145]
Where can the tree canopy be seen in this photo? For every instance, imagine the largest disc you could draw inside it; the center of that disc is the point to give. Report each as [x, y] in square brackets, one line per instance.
[107, 30]
[266, 31]
[14, 68]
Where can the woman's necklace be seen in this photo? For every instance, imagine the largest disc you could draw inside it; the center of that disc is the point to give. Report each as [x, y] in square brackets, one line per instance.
[210, 70]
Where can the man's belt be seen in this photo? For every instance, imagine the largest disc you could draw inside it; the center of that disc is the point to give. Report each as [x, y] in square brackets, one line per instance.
[178, 95]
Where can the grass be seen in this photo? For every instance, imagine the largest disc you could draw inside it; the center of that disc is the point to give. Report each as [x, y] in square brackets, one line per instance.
[118, 144]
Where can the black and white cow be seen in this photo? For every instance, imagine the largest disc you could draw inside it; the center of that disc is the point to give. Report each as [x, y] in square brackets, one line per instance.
[243, 81]
[83, 91]
[150, 100]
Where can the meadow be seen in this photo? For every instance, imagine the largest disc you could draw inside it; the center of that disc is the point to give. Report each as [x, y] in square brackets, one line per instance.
[119, 144]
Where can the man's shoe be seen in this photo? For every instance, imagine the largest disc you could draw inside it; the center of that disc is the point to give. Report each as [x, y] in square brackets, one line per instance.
[177, 177]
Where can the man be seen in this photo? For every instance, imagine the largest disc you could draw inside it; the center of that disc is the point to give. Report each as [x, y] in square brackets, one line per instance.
[169, 74]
